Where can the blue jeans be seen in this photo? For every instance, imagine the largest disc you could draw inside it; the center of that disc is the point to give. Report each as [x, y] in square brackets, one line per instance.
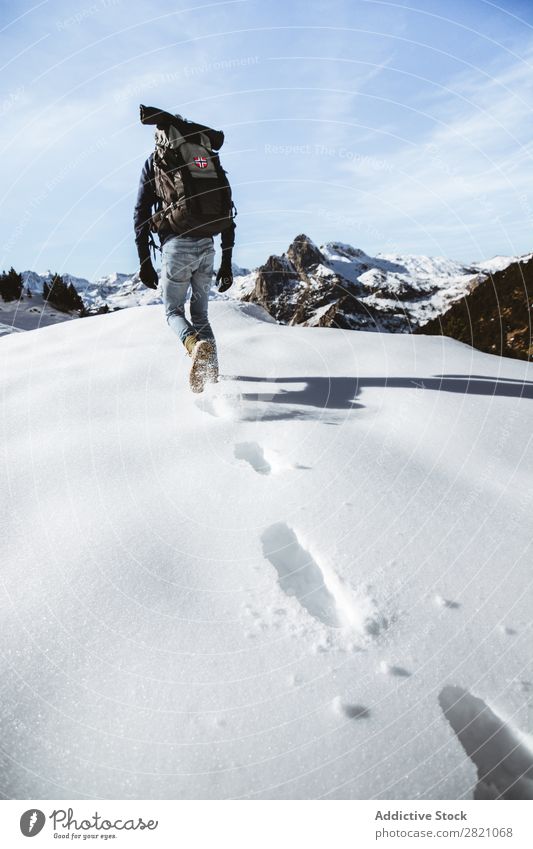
[187, 262]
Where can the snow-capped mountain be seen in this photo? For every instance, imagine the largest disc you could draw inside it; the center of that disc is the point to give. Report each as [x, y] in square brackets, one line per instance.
[339, 285]
[34, 282]
[334, 285]
[499, 263]
[239, 270]
[312, 581]
[119, 291]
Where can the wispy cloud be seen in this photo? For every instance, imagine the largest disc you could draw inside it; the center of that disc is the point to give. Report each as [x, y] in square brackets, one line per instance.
[396, 129]
[470, 168]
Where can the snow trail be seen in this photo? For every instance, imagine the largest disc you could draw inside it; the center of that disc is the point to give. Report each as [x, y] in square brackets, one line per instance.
[188, 626]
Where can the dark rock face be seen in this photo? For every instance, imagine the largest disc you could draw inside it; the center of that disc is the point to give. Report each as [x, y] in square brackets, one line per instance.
[300, 287]
[496, 316]
[304, 254]
[335, 304]
[276, 288]
[292, 297]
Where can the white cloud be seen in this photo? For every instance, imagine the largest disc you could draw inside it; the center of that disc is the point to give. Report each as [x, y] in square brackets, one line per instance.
[472, 167]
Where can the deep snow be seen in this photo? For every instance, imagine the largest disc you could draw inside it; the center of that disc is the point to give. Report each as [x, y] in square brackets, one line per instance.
[312, 581]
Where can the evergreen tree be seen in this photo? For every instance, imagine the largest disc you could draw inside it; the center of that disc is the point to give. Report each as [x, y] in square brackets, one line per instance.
[10, 285]
[74, 298]
[62, 297]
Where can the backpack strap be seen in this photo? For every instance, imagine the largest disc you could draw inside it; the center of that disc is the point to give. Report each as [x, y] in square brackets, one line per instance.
[153, 245]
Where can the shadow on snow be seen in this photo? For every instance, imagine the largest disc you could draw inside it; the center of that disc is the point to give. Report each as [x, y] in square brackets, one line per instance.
[341, 393]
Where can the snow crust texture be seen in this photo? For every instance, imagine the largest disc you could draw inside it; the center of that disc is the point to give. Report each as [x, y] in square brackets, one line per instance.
[311, 581]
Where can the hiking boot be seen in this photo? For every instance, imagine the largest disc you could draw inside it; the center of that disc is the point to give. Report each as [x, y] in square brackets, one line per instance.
[212, 367]
[202, 356]
[189, 342]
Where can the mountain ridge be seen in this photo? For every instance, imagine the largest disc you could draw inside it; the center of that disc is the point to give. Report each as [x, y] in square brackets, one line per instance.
[331, 285]
[496, 316]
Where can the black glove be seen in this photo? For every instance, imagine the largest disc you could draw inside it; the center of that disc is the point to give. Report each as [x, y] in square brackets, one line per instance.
[148, 274]
[224, 275]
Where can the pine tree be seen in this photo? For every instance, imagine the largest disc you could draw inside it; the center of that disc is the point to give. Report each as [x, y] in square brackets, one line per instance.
[62, 297]
[10, 285]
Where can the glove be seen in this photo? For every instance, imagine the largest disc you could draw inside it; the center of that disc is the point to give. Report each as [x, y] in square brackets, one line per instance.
[148, 274]
[224, 276]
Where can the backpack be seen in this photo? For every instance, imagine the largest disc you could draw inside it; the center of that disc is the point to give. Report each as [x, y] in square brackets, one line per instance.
[190, 182]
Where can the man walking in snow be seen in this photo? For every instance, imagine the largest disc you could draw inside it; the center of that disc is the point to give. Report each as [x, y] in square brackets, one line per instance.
[187, 257]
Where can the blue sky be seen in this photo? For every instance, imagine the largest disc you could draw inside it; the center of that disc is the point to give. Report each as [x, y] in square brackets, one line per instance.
[394, 126]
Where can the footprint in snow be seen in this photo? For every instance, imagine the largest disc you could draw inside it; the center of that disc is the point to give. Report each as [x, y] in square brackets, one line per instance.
[263, 461]
[254, 455]
[503, 758]
[227, 402]
[389, 669]
[219, 405]
[316, 586]
[505, 629]
[446, 602]
[352, 711]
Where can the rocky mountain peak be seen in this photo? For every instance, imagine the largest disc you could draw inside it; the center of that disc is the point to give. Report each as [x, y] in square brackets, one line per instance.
[304, 254]
[273, 280]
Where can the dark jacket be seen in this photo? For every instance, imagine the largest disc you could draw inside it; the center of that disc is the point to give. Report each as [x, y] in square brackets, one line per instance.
[147, 202]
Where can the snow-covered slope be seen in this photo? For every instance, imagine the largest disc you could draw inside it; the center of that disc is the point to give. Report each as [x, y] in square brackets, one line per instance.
[29, 313]
[498, 263]
[114, 291]
[301, 584]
